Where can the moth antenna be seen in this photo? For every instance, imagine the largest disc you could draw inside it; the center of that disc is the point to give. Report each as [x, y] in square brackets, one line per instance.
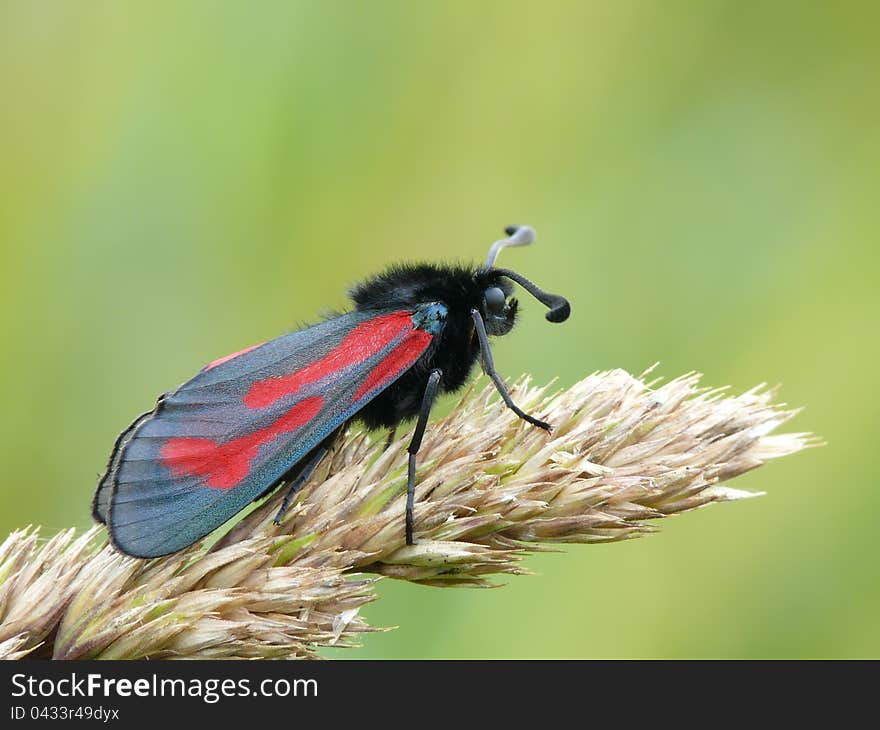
[517, 236]
[558, 306]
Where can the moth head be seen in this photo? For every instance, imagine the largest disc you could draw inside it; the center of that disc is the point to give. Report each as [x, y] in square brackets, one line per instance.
[499, 311]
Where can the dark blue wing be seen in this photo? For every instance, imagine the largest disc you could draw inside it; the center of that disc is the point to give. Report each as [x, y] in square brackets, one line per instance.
[222, 439]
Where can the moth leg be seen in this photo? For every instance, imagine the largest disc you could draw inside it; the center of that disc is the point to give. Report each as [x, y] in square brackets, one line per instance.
[489, 369]
[313, 460]
[414, 445]
[392, 432]
[310, 467]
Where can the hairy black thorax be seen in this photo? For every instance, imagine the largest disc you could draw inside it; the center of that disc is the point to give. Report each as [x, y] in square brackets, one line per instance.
[454, 352]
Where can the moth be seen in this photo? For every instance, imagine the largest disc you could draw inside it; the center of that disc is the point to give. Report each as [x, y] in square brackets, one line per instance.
[267, 415]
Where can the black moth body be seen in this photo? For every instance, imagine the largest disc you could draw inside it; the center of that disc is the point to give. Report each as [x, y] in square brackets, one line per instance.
[454, 352]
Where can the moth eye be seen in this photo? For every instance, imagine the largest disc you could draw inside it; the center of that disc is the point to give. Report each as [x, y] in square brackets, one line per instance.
[495, 299]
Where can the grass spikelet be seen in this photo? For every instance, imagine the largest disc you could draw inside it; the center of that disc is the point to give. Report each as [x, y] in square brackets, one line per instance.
[623, 453]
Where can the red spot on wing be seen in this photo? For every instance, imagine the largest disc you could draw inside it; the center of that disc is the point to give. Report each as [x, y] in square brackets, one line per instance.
[234, 355]
[225, 465]
[359, 345]
[395, 362]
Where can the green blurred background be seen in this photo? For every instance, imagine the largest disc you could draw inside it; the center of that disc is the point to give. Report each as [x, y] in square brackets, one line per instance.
[180, 180]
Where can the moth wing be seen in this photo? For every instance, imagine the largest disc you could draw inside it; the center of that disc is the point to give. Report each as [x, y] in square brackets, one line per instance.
[229, 434]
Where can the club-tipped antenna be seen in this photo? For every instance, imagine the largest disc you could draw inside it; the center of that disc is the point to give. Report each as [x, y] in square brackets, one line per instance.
[558, 306]
[516, 236]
